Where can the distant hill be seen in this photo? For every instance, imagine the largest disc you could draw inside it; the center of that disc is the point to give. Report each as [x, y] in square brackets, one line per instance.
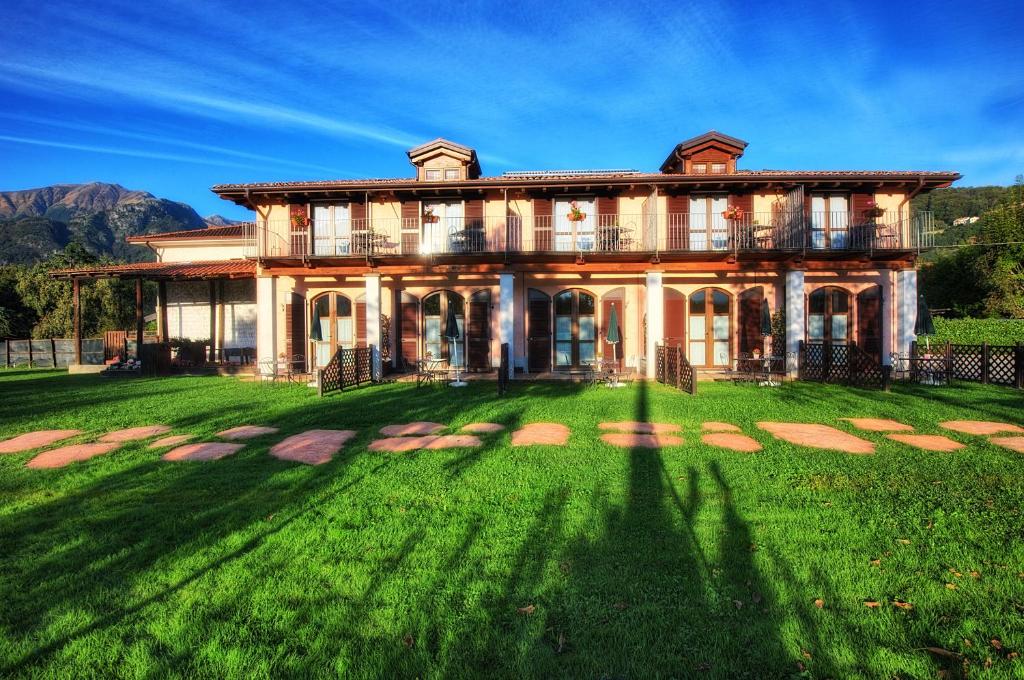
[36, 222]
[221, 221]
[956, 203]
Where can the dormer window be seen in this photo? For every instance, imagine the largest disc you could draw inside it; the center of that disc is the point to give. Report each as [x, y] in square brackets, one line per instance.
[718, 168]
[432, 175]
[444, 160]
[700, 168]
[451, 173]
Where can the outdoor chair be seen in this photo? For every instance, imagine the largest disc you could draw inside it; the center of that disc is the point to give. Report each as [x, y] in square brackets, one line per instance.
[267, 371]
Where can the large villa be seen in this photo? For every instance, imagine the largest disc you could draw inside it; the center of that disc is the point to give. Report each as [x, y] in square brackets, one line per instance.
[687, 256]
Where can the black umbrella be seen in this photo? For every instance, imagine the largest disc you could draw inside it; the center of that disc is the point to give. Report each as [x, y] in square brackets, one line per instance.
[315, 333]
[451, 331]
[766, 319]
[924, 324]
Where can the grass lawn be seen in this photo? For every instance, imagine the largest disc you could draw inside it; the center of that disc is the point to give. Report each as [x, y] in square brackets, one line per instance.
[583, 561]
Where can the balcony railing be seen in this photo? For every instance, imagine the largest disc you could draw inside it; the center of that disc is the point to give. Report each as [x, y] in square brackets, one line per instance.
[673, 233]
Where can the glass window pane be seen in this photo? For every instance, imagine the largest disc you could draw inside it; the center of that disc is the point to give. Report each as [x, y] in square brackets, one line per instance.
[343, 305]
[586, 328]
[586, 352]
[839, 326]
[563, 327]
[432, 305]
[816, 326]
[451, 173]
[721, 353]
[698, 327]
[586, 304]
[720, 327]
[433, 330]
[345, 335]
[563, 354]
[323, 305]
[840, 302]
[720, 302]
[697, 357]
[697, 302]
[456, 302]
[323, 354]
[563, 303]
[817, 302]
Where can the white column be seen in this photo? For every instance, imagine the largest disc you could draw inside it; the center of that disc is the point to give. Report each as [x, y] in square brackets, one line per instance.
[506, 317]
[266, 318]
[373, 321]
[795, 331]
[887, 316]
[655, 319]
[906, 312]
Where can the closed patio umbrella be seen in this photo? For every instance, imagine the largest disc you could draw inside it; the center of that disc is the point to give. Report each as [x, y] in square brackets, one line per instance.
[924, 324]
[314, 331]
[613, 338]
[451, 331]
[766, 319]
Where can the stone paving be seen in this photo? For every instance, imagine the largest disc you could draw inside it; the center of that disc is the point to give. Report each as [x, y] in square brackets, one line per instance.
[312, 447]
[482, 428]
[715, 426]
[203, 452]
[173, 440]
[65, 455]
[35, 440]
[1012, 443]
[641, 440]
[245, 432]
[733, 441]
[410, 429]
[642, 428]
[817, 436]
[879, 425]
[982, 427]
[135, 433]
[928, 442]
[541, 434]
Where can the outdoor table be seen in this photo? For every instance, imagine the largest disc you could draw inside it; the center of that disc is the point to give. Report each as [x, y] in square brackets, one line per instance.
[766, 366]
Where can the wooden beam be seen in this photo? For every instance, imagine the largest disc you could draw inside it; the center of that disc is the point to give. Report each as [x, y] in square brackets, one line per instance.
[213, 320]
[139, 319]
[77, 330]
[161, 311]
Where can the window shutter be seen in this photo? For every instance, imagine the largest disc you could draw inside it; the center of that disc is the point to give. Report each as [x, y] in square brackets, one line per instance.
[543, 209]
[607, 205]
[360, 324]
[295, 327]
[358, 210]
[409, 334]
[678, 208]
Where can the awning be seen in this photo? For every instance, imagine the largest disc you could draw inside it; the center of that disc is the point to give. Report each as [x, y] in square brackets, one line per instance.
[165, 271]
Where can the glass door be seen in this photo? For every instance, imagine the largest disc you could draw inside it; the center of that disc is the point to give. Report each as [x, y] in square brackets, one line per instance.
[444, 227]
[574, 235]
[709, 329]
[575, 329]
[332, 229]
[708, 228]
[830, 221]
[333, 312]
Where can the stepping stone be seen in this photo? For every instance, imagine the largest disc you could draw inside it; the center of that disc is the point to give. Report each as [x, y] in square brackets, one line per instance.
[400, 444]
[928, 442]
[246, 432]
[818, 437]
[731, 441]
[642, 441]
[483, 428]
[313, 447]
[133, 433]
[453, 441]
[173, 440]
[204, 451]
[35, 440]
[410, 429]
[980, 427]
[1012, 443]
[645, 428]
[879, 425]
[546, 434]
[714, 426]
[65, 455]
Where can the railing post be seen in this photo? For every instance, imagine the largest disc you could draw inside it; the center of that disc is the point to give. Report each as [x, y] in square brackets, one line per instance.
[1018, 366]
[949, 363]
[679, 365]
[984, 363]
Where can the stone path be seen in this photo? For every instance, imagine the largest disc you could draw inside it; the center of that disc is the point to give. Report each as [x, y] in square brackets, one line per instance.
[35, 440]
[173, 440]
[482, 428]
[65, 455]
[541, 434]
[732, 441]
[818, 437]
[928, 442]
[203, 451]
[715, 426]
[312, 447]
[245, 432]
[1012, 443]
[983, 427]
[135, 433]
[879, 425]
[409, 429]
[641, 440]
[643, 428]
[430, 441]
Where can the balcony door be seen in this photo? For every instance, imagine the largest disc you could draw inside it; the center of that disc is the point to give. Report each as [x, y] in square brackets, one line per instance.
[575, 329]
[447, 220]
[828, 316]
[830, 221]
[332, 229]
[333, 311]
[709, 330]
[435, 317]
[574, 236]
[708, 229]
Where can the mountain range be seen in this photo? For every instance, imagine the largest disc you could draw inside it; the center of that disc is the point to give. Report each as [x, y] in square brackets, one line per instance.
[37, 222]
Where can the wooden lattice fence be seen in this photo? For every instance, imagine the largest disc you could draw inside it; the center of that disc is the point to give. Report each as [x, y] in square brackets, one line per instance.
[984, 363]
[673, 368]
[841, 364]
[346, 368]
[49, 352]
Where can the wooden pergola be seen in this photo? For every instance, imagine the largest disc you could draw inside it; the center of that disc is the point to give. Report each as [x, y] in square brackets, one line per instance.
[161, 273]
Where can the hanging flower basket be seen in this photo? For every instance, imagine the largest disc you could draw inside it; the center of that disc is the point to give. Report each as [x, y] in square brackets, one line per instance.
[429, 217]
[733, 212]
[873, 210]
[575, 214]
[300, 221]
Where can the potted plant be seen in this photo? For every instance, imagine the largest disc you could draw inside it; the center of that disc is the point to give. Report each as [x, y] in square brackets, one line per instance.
[873, 210]
[733, 212]
[575, 214]
[429, 216]
[300, 221]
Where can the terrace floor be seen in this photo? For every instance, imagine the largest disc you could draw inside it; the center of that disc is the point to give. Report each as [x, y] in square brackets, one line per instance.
[629, 539]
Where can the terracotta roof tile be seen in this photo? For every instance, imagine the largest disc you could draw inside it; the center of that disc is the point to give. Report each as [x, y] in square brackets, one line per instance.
[166, 270]
[226, 231]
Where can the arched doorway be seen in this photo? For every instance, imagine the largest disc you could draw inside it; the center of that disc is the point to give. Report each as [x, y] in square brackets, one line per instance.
[435, 317]
[750, 302]
[869, 321]
[710, 328]
[615, 298]
[333, 315]
[478, 333]
[675, 318]
[828, 316]
[575, 328]
[538, 339]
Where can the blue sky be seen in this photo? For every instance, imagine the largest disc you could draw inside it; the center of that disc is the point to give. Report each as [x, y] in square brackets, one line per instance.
[173, 97]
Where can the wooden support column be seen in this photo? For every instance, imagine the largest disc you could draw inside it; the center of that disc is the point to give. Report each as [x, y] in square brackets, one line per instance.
[213, 320]
[77, 330]
[139, 319]
[161, 311]
[220, 318]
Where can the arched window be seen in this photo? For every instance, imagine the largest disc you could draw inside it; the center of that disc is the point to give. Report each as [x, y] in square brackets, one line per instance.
[828, 316]
[710, 328]
[675, 318]
[332, 317]
[574, 328]
[869, 320]
[436, 308]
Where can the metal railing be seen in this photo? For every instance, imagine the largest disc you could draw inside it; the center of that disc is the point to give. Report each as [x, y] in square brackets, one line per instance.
[601, 233]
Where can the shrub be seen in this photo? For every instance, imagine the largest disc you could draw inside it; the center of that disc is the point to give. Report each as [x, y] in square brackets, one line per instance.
[977, 331]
